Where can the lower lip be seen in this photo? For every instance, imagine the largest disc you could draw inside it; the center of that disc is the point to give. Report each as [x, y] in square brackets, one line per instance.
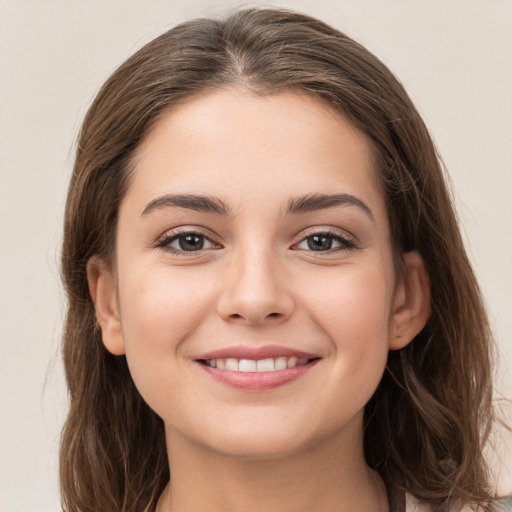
[257, 381]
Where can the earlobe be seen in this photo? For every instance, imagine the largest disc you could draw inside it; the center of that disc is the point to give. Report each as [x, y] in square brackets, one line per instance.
[411, 307]
[102, 287]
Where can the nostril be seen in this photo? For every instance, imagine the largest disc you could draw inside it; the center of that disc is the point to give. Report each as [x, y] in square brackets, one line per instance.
[237, 316]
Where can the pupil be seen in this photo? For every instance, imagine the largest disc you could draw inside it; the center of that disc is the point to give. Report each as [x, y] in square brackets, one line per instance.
[191, 242]
[319, 242]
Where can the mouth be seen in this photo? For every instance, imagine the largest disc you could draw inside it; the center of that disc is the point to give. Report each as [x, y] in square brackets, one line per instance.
[256, 369]
[260, 365]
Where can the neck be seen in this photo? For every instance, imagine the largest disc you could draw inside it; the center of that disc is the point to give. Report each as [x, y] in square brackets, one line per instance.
[332, 476]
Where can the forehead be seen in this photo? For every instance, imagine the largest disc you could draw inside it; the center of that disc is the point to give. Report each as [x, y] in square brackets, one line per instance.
[232, 140]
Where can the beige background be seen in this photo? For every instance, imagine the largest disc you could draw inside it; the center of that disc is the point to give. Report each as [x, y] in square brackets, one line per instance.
[454, 57]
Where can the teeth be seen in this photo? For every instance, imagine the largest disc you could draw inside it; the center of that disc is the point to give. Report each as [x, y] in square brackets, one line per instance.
[280, 363]
[246, 365]
[262, 365]
[265, 365]
[231, 364]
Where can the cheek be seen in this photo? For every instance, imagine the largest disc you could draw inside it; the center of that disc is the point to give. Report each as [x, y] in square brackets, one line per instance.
[353, 309]
[151, 306]
[356, 300]
[160, 310]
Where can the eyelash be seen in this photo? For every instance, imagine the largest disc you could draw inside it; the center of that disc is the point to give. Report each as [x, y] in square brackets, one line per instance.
[345, 242]
[165, 242]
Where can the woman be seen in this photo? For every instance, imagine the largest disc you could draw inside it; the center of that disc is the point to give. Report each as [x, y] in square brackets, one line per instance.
[270, 305]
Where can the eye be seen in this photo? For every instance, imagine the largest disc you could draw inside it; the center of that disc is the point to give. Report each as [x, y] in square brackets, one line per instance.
[323, 242]
[186, 242]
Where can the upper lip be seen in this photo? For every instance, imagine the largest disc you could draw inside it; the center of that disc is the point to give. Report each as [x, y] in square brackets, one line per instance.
[255, 353]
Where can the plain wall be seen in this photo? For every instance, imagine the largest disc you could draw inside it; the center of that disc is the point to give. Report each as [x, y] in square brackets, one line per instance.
[454, 58]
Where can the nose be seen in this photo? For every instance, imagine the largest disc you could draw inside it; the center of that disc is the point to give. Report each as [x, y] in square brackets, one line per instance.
[255, 291]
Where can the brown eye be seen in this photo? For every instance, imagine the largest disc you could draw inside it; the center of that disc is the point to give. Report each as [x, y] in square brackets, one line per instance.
[320, 242]
[191, 242]
[185, 242]
[324, 242]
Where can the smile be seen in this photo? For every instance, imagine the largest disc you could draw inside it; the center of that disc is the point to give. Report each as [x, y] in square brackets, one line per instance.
[256, 368]
[260, 365]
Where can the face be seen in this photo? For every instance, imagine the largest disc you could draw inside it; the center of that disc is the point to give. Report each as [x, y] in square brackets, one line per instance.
[254, 293]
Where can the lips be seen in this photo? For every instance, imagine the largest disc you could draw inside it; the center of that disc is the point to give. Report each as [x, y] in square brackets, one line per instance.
[256, 368]
[255, 353]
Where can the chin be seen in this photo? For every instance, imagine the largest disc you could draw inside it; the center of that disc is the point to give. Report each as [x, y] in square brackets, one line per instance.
[262, 448]
[266, 442]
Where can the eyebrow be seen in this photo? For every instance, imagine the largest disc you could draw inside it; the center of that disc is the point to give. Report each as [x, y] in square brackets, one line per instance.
[297, 205]
[207, 204]
[313, 202]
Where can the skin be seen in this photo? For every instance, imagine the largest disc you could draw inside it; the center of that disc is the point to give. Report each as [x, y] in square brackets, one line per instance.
[297, 447]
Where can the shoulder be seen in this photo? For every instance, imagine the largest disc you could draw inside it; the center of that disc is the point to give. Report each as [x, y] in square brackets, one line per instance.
[505, 504]
[414, 505]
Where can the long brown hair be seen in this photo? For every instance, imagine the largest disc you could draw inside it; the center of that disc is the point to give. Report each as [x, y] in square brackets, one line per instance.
[427, 423]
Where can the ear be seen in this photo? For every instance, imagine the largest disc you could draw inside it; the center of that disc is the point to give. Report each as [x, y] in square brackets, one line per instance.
[102, 287]
[411, 303]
